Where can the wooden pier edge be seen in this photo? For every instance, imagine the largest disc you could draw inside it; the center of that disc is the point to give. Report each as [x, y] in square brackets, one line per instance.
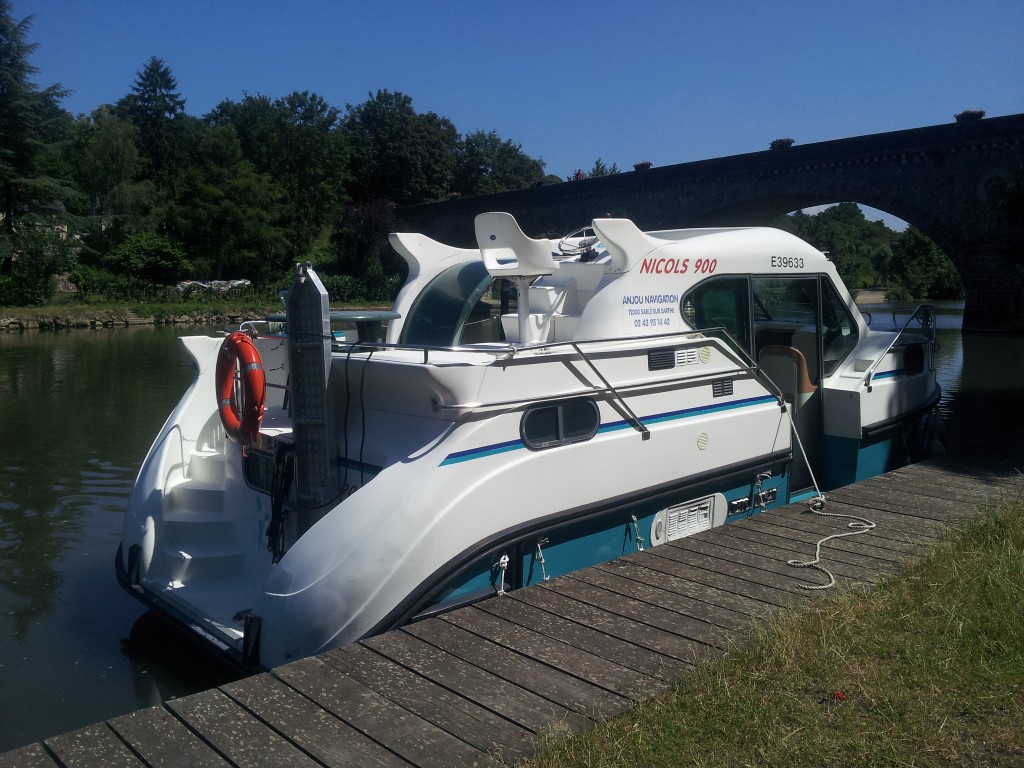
[481, 685]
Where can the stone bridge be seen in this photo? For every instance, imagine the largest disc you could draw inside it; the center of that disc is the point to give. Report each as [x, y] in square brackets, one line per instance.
[960, 184]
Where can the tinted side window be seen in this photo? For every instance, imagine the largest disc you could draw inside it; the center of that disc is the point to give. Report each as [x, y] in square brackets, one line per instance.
[570, 421]
[721, 303]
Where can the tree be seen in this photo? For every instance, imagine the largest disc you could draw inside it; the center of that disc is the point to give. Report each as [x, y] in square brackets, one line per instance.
[225, 213]
[28, 122]
[600, 169]
[487, 164]
[109, 164]
[149, 257]
[155, 108]
[921, 270]
[296, 141]
[399, 155]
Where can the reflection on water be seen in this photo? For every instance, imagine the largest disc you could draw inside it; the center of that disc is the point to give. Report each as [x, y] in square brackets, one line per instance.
[78, 415]
[982, 386]
[79, 412]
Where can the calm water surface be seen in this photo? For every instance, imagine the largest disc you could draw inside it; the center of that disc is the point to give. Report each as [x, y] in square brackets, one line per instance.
[78, 412]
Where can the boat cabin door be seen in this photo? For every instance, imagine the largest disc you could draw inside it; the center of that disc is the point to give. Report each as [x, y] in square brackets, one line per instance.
[802, 331]
[797, 329]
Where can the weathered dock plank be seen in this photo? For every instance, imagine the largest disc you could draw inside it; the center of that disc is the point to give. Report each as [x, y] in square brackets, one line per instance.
[753, 575]
[845, 539]
[609, 675]
[311, 727]
[586, 639]
[678, 602]
[235, 732]
[668, 644]
[526, 708]
[645, 613]
[30, 756]
[379, 718]
[882, 537]
[160, 738]
[645, 570]
[461, 717]
[95, 746]
[554, 684]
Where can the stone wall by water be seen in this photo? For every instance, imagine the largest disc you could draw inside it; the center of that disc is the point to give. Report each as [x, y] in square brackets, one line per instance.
[12, 322]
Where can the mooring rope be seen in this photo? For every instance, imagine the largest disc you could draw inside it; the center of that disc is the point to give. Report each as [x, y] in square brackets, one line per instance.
[816, 506]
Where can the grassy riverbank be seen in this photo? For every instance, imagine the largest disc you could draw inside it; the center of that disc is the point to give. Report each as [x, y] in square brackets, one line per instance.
[925, 670]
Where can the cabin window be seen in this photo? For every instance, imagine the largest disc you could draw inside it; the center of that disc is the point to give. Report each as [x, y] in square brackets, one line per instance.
[462, 305]
[787, 316]
[721, 303]
[839, 329]
[562, 423]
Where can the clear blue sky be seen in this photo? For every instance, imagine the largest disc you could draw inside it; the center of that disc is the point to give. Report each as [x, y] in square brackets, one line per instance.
[666, 81]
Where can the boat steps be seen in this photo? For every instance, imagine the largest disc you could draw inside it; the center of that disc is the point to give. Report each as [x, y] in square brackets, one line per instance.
[207, 467]
[192, 497]
[202, 528]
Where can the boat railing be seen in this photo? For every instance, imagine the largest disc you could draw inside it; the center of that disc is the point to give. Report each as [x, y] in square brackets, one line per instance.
[743, 363]
[924, 316]
[508, 351]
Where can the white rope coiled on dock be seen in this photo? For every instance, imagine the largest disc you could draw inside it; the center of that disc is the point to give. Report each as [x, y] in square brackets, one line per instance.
[816, 506]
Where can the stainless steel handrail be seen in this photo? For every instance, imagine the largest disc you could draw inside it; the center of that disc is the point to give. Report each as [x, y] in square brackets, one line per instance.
[927, 322]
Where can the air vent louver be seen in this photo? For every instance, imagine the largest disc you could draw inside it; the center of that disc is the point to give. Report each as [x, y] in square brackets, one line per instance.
[687, 519]
[721, 388]
[661, 359]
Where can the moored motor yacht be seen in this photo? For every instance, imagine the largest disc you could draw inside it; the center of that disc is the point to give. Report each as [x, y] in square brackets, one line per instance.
[527, 408]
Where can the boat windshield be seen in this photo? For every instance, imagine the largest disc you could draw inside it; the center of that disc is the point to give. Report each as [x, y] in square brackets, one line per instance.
[462, 305]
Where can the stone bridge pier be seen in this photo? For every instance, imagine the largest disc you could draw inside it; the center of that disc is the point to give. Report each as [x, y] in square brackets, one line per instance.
[961, 184]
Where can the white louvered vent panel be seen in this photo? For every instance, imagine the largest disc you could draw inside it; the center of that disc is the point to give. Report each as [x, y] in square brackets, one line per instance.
[687, 519]
[686, 356]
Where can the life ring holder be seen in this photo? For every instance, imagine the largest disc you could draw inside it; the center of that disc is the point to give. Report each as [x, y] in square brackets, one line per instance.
[241, 420]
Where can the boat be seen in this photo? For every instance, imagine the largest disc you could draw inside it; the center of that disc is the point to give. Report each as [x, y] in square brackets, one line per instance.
[526, 408]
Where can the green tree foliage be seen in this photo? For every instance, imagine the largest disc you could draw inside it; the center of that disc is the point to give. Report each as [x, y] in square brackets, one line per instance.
[156, 109]
[487, 164]
[600, 169]
[149, 257]
[297, 142]
[226, 213]
[149, 194]
[398, 154]
[868, 254]
[34, 196]
[921, 270]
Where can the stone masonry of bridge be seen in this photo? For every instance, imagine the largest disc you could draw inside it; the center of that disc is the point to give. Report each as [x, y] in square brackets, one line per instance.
[953, 182]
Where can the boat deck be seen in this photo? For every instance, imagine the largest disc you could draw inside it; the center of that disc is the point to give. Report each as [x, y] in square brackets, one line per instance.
[479, 686]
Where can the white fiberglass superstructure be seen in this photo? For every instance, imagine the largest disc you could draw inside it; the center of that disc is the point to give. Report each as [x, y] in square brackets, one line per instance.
[535, 406]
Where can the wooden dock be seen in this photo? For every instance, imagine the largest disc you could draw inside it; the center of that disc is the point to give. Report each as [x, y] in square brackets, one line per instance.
[480, 685]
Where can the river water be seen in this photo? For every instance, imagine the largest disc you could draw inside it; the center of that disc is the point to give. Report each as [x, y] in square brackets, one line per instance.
[78, 413]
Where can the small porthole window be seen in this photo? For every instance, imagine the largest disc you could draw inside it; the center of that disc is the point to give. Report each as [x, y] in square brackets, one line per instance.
[569, 421]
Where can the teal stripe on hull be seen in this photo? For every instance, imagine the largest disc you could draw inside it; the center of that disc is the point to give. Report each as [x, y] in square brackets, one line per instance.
[613, 426]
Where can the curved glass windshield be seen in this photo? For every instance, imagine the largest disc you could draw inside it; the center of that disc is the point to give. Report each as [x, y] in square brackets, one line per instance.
[456, 298]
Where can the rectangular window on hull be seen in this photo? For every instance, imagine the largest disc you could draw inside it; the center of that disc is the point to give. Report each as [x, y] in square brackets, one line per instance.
[570, 421]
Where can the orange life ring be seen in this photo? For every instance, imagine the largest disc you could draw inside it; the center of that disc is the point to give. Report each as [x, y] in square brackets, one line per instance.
[242, 420]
